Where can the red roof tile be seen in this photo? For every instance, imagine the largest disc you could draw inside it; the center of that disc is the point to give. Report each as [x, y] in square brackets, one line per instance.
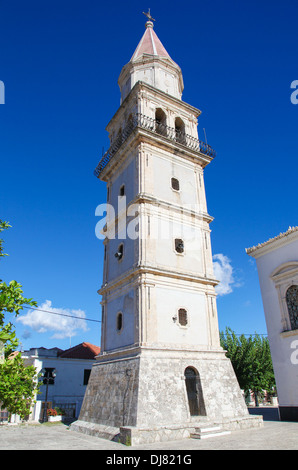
[81, 351]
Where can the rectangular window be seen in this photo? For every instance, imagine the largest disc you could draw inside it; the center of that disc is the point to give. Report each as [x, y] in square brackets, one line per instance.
[87, 373]
[48, 374]
[182, 317]
[175, 184]
[179, 245]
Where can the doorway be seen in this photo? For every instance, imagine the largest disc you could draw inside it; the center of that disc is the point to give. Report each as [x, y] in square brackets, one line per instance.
[194, 392]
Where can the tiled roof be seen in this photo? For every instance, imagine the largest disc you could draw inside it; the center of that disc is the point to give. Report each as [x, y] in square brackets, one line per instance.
[150, 44]
[81, 351]
[281, 236]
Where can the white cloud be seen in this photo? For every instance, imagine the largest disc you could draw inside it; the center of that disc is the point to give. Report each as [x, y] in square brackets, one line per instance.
[224, 272]
[61, 326]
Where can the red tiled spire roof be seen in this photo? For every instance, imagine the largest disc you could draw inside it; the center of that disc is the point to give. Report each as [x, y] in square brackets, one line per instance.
[150, 44]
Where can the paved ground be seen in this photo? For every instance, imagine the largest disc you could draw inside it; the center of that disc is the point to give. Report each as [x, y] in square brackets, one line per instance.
[274, 435]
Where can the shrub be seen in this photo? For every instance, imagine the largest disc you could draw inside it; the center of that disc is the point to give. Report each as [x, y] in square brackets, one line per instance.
[52, 412]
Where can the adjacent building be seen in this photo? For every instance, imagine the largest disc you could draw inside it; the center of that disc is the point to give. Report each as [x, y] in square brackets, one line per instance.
[72, 368]
[277, 263]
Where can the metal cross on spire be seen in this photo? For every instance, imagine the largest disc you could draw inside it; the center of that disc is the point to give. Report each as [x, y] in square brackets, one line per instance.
[148, 15]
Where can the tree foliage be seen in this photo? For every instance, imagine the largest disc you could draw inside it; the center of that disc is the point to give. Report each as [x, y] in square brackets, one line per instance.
[18, 382]
[18, 385]
[251, 360]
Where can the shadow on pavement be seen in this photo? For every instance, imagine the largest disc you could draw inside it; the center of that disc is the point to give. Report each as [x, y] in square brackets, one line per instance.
[268, 413]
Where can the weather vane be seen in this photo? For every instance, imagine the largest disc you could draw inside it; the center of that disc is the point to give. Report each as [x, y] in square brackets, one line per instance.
[149, 15]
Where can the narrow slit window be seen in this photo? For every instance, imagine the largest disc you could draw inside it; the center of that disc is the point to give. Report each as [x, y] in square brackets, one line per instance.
[122, 190]
[119, 321]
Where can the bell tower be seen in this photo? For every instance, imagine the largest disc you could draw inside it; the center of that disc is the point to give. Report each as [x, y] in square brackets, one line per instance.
[161, 371]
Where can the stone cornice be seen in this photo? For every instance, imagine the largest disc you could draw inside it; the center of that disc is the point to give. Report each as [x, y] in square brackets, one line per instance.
[140, 269]
[159, 350]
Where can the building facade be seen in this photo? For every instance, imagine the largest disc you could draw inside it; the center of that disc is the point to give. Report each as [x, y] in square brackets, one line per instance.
[161, 369]
[277, 263]
[67, 389]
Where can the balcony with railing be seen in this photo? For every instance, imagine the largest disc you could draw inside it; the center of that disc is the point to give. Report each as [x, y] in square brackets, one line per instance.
[153, 125]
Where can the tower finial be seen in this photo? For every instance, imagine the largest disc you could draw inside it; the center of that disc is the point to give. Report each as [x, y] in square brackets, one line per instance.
[148, 15]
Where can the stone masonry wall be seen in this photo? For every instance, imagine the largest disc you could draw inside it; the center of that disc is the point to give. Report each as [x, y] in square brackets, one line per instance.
[162, 392]
[111, 394]
[149, 390]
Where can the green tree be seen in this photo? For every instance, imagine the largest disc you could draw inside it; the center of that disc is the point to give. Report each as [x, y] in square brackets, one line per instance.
[18, 382]
[251, 360]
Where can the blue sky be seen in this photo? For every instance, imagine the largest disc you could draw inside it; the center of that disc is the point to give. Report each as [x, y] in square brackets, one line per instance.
[60, 63]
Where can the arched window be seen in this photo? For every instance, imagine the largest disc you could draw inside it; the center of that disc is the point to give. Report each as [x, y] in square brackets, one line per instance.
[292, 304]
[179, 245]
[119, 252]
[119, 321]
[182, 317]
[161, 122]
[175, 184]
[180, 131]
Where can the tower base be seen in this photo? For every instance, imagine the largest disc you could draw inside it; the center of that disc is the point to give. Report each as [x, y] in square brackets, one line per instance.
[141, 395]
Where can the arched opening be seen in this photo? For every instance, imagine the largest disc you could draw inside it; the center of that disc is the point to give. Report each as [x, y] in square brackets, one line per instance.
[161, 122]
[122, 190]
[180, 131]
[119, 322]
[119, 252]
[182, 317]
[175, 184]
[194, 392]
[292, 304]
[179, 245]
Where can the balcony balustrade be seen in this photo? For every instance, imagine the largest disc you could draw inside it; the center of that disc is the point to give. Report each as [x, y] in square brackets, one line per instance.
[153, 125]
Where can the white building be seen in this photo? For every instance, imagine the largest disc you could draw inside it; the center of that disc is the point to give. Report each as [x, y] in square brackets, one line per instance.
[161, 371]
[67, 389]
[277, 263]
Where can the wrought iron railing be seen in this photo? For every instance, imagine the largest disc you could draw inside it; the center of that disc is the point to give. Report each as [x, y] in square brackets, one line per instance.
[156, 126]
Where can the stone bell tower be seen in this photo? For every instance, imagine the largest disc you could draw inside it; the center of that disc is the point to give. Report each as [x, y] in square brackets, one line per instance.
[161, 372]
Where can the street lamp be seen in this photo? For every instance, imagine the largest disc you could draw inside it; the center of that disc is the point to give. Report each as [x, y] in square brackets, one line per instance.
[47, 375]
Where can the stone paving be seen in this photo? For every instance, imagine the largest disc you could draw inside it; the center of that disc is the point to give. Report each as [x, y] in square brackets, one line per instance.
[275, 435]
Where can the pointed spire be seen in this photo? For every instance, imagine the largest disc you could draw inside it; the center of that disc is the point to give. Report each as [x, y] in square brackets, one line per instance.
[151, 64]
[150, 44]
